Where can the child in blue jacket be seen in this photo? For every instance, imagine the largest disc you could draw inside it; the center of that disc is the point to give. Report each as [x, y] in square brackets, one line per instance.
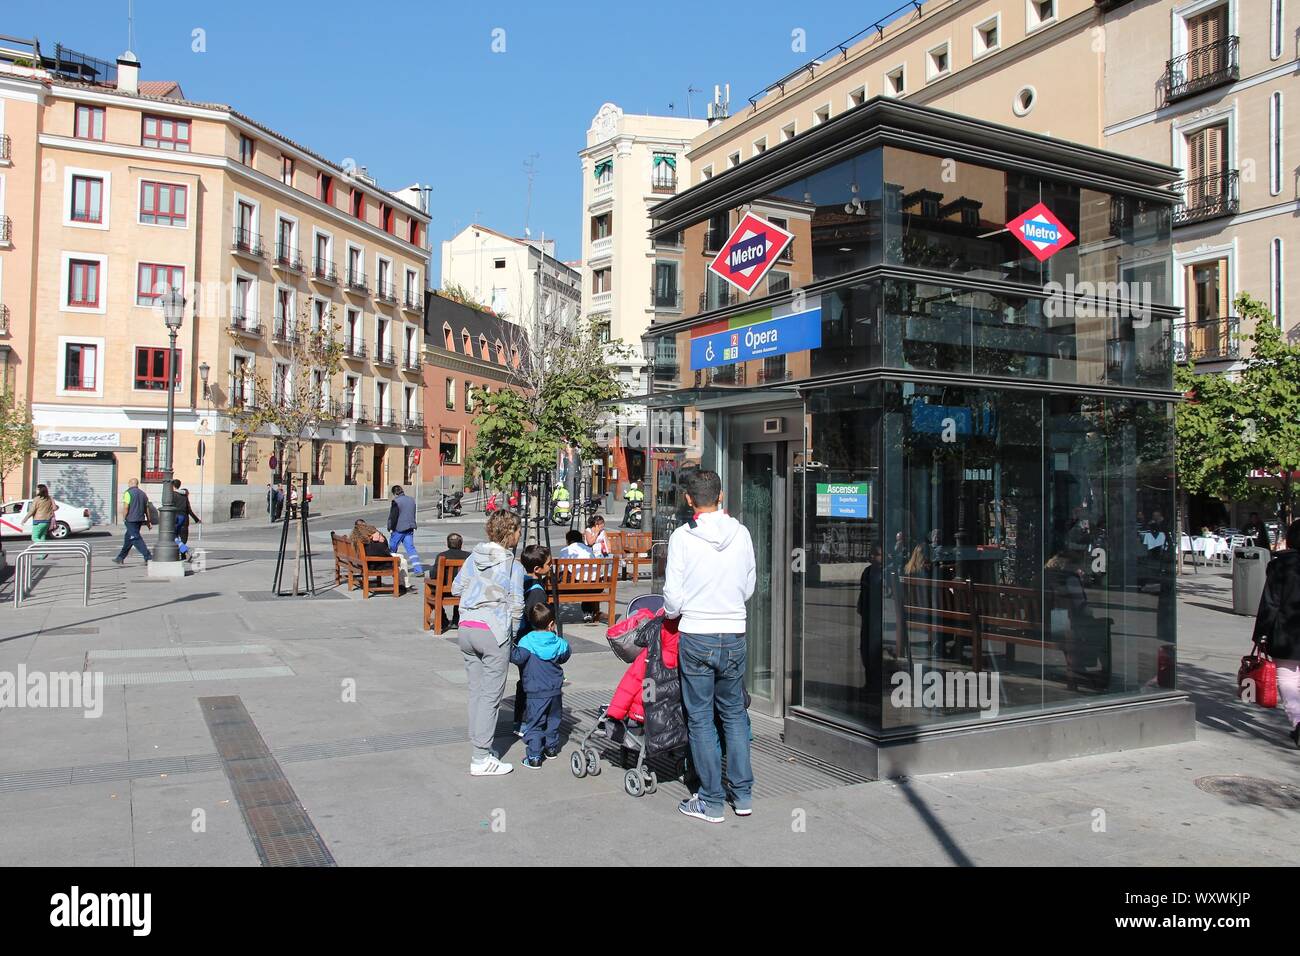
[536, 560]
[540, 655]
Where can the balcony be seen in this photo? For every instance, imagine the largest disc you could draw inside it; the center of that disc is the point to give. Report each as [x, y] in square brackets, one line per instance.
[385, 418]
[386, 292]
[354, 349]
[241, 395]
[668, 300]
[244, 322]
[601, 301]
[1207, 198]
[283, 330]
[357, 282]
[1202, 69]
[411, 360]
[247, 243]
[6, 230]
[360, 414]
[323, 270]
[413, 423]
[288, 258]
[713, 240]
[413, 301]
[1207, 340]
[384, 355]
[5, 148]
[661, 183]
[4, 319]
[602, 248]
[718, 299]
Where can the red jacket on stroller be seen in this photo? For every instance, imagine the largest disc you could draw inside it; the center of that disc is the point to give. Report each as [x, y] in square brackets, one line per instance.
[627, 700]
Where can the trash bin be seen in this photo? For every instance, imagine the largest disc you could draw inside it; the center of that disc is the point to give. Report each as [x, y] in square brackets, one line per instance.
[1248, 567]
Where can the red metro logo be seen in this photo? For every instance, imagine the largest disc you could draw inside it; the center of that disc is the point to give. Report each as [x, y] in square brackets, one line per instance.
[1041, 232]
[750, 251]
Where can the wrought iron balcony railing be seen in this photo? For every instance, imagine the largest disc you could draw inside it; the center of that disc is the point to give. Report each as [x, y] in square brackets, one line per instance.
[283, 330]
[385, 292]
[1208, 197]
[666, 298]
[414, 300]
[324, 270]
[1202, 69]
[414, 423]
[245, 321]
[354, 348]
[287, 257]
[411, 359]
[1207, 340]
[719, 298]
[6, 229]
[247, 243]
[4, 319]
[357, 281]
[5, 147]
[384, 355]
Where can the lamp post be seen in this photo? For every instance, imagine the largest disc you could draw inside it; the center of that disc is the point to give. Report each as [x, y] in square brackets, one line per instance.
[204, 370]
[166, 552]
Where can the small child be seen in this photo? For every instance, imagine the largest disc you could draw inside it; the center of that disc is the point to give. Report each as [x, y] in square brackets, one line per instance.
[536, 560]
[540, 655]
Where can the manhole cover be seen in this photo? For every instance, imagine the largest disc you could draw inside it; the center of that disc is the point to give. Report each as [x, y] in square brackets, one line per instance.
[1255, 791]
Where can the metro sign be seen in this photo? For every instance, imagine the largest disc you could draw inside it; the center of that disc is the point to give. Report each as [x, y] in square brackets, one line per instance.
[750, 251]
[1041, 232]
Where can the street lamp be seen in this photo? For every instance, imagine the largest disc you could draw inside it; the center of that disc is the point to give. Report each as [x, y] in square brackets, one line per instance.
[166, 553]
[204, 369]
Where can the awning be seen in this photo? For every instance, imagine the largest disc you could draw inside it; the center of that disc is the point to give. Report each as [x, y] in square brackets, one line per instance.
[663, 158]
[603, 166]
[709, 397]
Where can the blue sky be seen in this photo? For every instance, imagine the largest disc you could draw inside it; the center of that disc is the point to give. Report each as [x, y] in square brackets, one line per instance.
[413, 90]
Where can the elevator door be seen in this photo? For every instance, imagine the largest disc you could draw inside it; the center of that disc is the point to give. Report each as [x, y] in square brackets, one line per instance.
[760, 491]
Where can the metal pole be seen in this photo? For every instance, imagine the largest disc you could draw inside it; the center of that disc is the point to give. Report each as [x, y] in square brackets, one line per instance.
[166, 549]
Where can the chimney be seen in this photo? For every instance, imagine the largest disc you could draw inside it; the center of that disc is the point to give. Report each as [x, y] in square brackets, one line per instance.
[128, 73]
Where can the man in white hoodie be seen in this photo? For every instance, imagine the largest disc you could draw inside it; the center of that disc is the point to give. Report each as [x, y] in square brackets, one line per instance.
[710, 576]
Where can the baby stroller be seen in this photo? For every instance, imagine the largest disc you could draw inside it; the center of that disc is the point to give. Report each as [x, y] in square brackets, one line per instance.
[641, 638]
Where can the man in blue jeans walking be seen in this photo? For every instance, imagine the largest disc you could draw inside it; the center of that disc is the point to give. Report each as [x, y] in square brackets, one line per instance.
[401, 528]
[135, 508]
[710, 576]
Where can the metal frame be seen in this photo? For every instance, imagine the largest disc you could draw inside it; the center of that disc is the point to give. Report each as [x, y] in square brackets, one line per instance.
[23, 569]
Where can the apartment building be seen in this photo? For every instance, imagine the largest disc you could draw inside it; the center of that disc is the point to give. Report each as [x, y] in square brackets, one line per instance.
[518, 279]
[141, 190]
[465, 349]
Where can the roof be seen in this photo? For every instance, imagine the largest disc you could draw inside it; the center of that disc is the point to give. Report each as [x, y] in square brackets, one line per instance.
[167, 89]
[440, 311]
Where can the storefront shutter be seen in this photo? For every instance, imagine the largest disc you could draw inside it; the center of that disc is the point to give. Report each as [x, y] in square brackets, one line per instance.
[84, 484]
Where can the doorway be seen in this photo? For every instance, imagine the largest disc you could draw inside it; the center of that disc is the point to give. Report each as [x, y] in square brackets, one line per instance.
[377, 473]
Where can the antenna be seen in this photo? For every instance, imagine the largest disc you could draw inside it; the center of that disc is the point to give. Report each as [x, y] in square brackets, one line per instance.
[691, 88]
[530, 169]
[130, 25]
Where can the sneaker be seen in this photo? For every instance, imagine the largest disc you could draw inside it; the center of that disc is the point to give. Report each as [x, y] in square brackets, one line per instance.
[741, 809]
[533, 763]
[694, 807]
[488, 767]
[1295, 735]
[519, 730]
[119, 561]
[551, 753]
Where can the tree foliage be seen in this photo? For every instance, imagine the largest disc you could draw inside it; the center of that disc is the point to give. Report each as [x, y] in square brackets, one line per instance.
[17, 437]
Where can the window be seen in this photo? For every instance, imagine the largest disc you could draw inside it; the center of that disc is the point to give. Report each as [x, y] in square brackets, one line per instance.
[760, 146]
[896, 81]
[449, 451]
[163, 204]
[1023, 102]
[87, 199]
[822, 115]
[247, 148]
[706, 173]
[498, 263]
[239, 463]
[151, 368]
[153, 280]
[602, 332]
[1276, 268]
[323, 255]
[483, 348]
[451, 394]
[351, 459]
[501, 352]
[469, 396]
[604, 172]
[240, 385]
[466, 344]
[857, 97]
[1039, 13]
[601, 227]
[600, 280]
[83, 283]
[663, 172]
[1275, 27]
[1275, 143]
[386, 218]
[413, 231]
[89, 122]
[987, 36]
[788, 131]
[937, 61]
[317, 461]
[667, 294]
[358, 203]
[325, 188]
[286, 170]
[777, 282]
[355, 273]
[788, 254]
[79, 366]
[733, 160]
[280, 384]
[153, 454]
[319, 315]
[162, 132]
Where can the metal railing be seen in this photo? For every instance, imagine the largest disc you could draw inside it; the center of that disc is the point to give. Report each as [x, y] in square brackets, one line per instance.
[385, 418]
[1207, 340]
[245, 321]
[23, 570]
[4, 319]
[384, 355]
[414, 300]
[718, 299]
[385, 292]
[4, 147]
[1201, 69]
[663, 184]
[1208, 197]
[354, 348]
[6, 228]
[324, 269]
[287, 257]
[357, 280]
[284, 330]
[247, 243]
[713, 240]
[666, 299]
[411, 359]
[414, 423]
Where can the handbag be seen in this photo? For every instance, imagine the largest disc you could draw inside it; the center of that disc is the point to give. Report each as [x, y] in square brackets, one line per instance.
[1257, 679]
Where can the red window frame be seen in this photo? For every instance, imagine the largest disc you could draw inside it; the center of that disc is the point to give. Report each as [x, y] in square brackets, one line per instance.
[153, 451]
[286, 170]
[84, 351]
[247, 149]
[158, 139]
[358, 204]
[88, 270]
[81, 192]
[413, 231]
[153, 377]
[92, 116]
[151, 275]
[325, 188]
[153, 212]
[386, 215]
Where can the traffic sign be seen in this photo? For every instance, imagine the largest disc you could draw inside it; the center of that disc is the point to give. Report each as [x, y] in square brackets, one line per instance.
[1040, 232]
[415, 456]
[750, 251]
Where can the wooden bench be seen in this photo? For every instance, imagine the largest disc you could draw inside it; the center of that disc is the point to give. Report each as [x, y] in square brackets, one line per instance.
[437, 592]
[346, 565]
[587, 580]
[632, 549]
[1010, 615]
[378, 567]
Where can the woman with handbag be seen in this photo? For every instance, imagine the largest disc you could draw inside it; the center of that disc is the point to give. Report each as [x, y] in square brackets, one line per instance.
[1277, 624]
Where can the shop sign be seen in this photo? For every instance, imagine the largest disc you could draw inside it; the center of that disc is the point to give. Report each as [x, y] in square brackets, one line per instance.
[751, 250]
[846, 499]
[757, 335]
[1040, 232]
[73, 454]
[98, 439]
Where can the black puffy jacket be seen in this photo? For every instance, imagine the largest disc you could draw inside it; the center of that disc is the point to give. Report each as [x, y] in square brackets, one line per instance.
[1277, 625]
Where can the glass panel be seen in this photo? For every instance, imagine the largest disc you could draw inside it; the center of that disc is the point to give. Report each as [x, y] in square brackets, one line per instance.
[758, 485]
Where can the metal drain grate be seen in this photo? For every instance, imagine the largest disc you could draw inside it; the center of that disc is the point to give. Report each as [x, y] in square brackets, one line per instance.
[280, 828]
[180, 650]
[1252, 791]
[68, 629]
[268, 596]
[188, 676]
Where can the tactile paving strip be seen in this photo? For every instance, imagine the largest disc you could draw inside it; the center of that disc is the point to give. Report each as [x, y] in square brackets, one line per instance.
[279, 826]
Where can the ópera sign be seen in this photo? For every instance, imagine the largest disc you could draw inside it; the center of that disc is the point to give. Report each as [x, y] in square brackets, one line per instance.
[756, 335]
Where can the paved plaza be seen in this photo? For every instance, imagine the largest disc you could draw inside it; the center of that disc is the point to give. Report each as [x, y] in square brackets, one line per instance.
[363, 713]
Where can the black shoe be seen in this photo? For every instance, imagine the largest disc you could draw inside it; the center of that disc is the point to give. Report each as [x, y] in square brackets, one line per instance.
[118, 561]
[551, 753]
[533, 763]
[1295, 736]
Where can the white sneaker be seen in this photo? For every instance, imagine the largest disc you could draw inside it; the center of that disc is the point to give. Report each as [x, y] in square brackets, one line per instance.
[489, 767]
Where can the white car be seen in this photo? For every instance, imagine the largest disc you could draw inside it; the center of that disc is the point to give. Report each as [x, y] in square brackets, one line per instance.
[68, 519]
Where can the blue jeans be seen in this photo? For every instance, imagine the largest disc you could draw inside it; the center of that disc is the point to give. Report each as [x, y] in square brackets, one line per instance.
[134, 538]
[542, 723]
[713, 678]
[407, 540]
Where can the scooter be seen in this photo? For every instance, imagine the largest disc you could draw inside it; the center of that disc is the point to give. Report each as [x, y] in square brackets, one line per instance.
[449, 505]
[632, 515]
[560, 512]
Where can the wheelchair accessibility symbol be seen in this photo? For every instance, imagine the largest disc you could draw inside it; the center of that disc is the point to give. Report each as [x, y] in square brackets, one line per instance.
[708, 353]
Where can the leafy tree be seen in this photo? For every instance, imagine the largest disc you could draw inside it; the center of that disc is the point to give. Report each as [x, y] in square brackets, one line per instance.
[17, 437]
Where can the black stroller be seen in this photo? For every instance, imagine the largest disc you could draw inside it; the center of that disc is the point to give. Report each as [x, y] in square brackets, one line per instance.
[664, 732]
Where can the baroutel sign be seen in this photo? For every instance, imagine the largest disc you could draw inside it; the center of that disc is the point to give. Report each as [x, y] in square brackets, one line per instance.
[751, 250]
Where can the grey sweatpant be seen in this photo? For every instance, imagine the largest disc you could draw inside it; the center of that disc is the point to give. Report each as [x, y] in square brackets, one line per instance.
[486, 663]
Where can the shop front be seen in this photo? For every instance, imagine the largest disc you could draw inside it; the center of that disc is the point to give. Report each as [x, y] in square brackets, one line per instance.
[948, 427]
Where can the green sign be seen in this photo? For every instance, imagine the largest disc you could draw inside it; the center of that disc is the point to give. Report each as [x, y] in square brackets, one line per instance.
[845, 499]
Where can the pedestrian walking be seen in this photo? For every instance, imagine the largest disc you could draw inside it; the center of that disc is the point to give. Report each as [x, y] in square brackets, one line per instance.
[135, 511]
[401, 528]
[184, 515]
[1277, 624]
[709, 576]
[490, 586]
[41, 512]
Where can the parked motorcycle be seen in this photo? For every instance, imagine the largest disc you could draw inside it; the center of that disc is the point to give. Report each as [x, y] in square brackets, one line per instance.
[632, 515]
[561, 512]
[450, 505]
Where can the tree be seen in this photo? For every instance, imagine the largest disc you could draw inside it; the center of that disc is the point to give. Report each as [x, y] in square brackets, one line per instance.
[1231, 428]
[17, 438]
